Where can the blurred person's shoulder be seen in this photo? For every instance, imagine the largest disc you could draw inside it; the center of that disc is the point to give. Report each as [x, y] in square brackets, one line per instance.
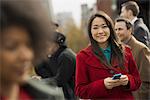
[40, 90]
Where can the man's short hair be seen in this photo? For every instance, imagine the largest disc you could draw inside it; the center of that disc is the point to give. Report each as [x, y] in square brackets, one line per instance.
[126, 21]
[133, 6]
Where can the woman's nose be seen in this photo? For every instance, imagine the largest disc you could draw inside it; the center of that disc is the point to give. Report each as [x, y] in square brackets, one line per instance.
[100, 30]
[26, 54]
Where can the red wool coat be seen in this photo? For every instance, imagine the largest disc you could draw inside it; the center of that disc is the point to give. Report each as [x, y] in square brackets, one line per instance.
[90, 74]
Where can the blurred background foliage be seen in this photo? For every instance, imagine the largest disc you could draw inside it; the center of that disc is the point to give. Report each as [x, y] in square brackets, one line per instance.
[76, 38]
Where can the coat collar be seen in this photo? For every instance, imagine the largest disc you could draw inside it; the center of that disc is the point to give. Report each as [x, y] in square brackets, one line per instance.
[131, 42]
[58, 52]
[138, 20]
[94, 61]
[134, 19]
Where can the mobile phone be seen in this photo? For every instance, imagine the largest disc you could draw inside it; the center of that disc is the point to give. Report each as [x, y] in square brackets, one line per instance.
[116, 76]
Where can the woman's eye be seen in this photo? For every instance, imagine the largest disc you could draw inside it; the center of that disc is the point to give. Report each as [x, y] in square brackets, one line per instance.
[29, 45]
[95, 27]
[11, 47]
[105, 26]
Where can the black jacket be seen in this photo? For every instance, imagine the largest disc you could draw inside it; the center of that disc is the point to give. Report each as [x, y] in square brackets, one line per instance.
[141, 32]
[60, 67]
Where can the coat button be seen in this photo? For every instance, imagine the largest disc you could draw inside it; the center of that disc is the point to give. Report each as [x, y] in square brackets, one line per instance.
[112, 72]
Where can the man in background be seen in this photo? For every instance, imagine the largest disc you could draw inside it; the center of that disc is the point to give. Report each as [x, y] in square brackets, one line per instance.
[130, 10]
[141, 54]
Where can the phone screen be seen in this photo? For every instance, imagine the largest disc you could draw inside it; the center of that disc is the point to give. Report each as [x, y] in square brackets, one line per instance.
[116, 76]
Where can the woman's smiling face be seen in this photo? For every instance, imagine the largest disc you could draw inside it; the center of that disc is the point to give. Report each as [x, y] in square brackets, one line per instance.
[100, 31]
[16, 54]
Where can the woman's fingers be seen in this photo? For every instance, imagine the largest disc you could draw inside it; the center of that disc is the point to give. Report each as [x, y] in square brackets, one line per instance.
[124, 80]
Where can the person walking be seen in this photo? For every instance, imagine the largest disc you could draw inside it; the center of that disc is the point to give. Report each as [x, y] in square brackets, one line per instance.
[141, 54]
[101, 60]
[130, 10]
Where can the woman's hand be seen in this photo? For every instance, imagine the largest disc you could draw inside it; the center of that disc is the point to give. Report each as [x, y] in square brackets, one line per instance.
[36, 77]
[124, 80]
[109, 83]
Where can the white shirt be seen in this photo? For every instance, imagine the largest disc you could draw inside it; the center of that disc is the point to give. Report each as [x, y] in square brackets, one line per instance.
[134, 19]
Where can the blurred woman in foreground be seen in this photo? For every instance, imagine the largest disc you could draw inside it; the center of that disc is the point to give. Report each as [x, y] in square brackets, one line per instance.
[23, 33]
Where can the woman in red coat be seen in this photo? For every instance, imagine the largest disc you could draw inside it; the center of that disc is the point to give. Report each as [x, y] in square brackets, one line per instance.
[105, 57]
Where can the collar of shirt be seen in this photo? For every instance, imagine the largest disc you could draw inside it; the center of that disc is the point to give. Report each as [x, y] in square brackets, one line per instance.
[107, 52]
[133, 20]
[108, 49]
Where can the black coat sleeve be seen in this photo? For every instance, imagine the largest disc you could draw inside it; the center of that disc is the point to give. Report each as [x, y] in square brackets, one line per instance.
[66, 70]
[42, 71]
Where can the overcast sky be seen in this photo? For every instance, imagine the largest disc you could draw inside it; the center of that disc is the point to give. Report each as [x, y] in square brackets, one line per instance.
[73, 6]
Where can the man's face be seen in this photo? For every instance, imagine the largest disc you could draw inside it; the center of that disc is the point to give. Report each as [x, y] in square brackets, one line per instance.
[122, 31]
[124, 13]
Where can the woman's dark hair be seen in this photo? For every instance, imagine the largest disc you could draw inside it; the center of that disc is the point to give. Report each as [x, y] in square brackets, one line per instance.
[117, 49]
[32, 16]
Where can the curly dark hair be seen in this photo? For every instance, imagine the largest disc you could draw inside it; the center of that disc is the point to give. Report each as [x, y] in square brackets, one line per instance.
[31, 15]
